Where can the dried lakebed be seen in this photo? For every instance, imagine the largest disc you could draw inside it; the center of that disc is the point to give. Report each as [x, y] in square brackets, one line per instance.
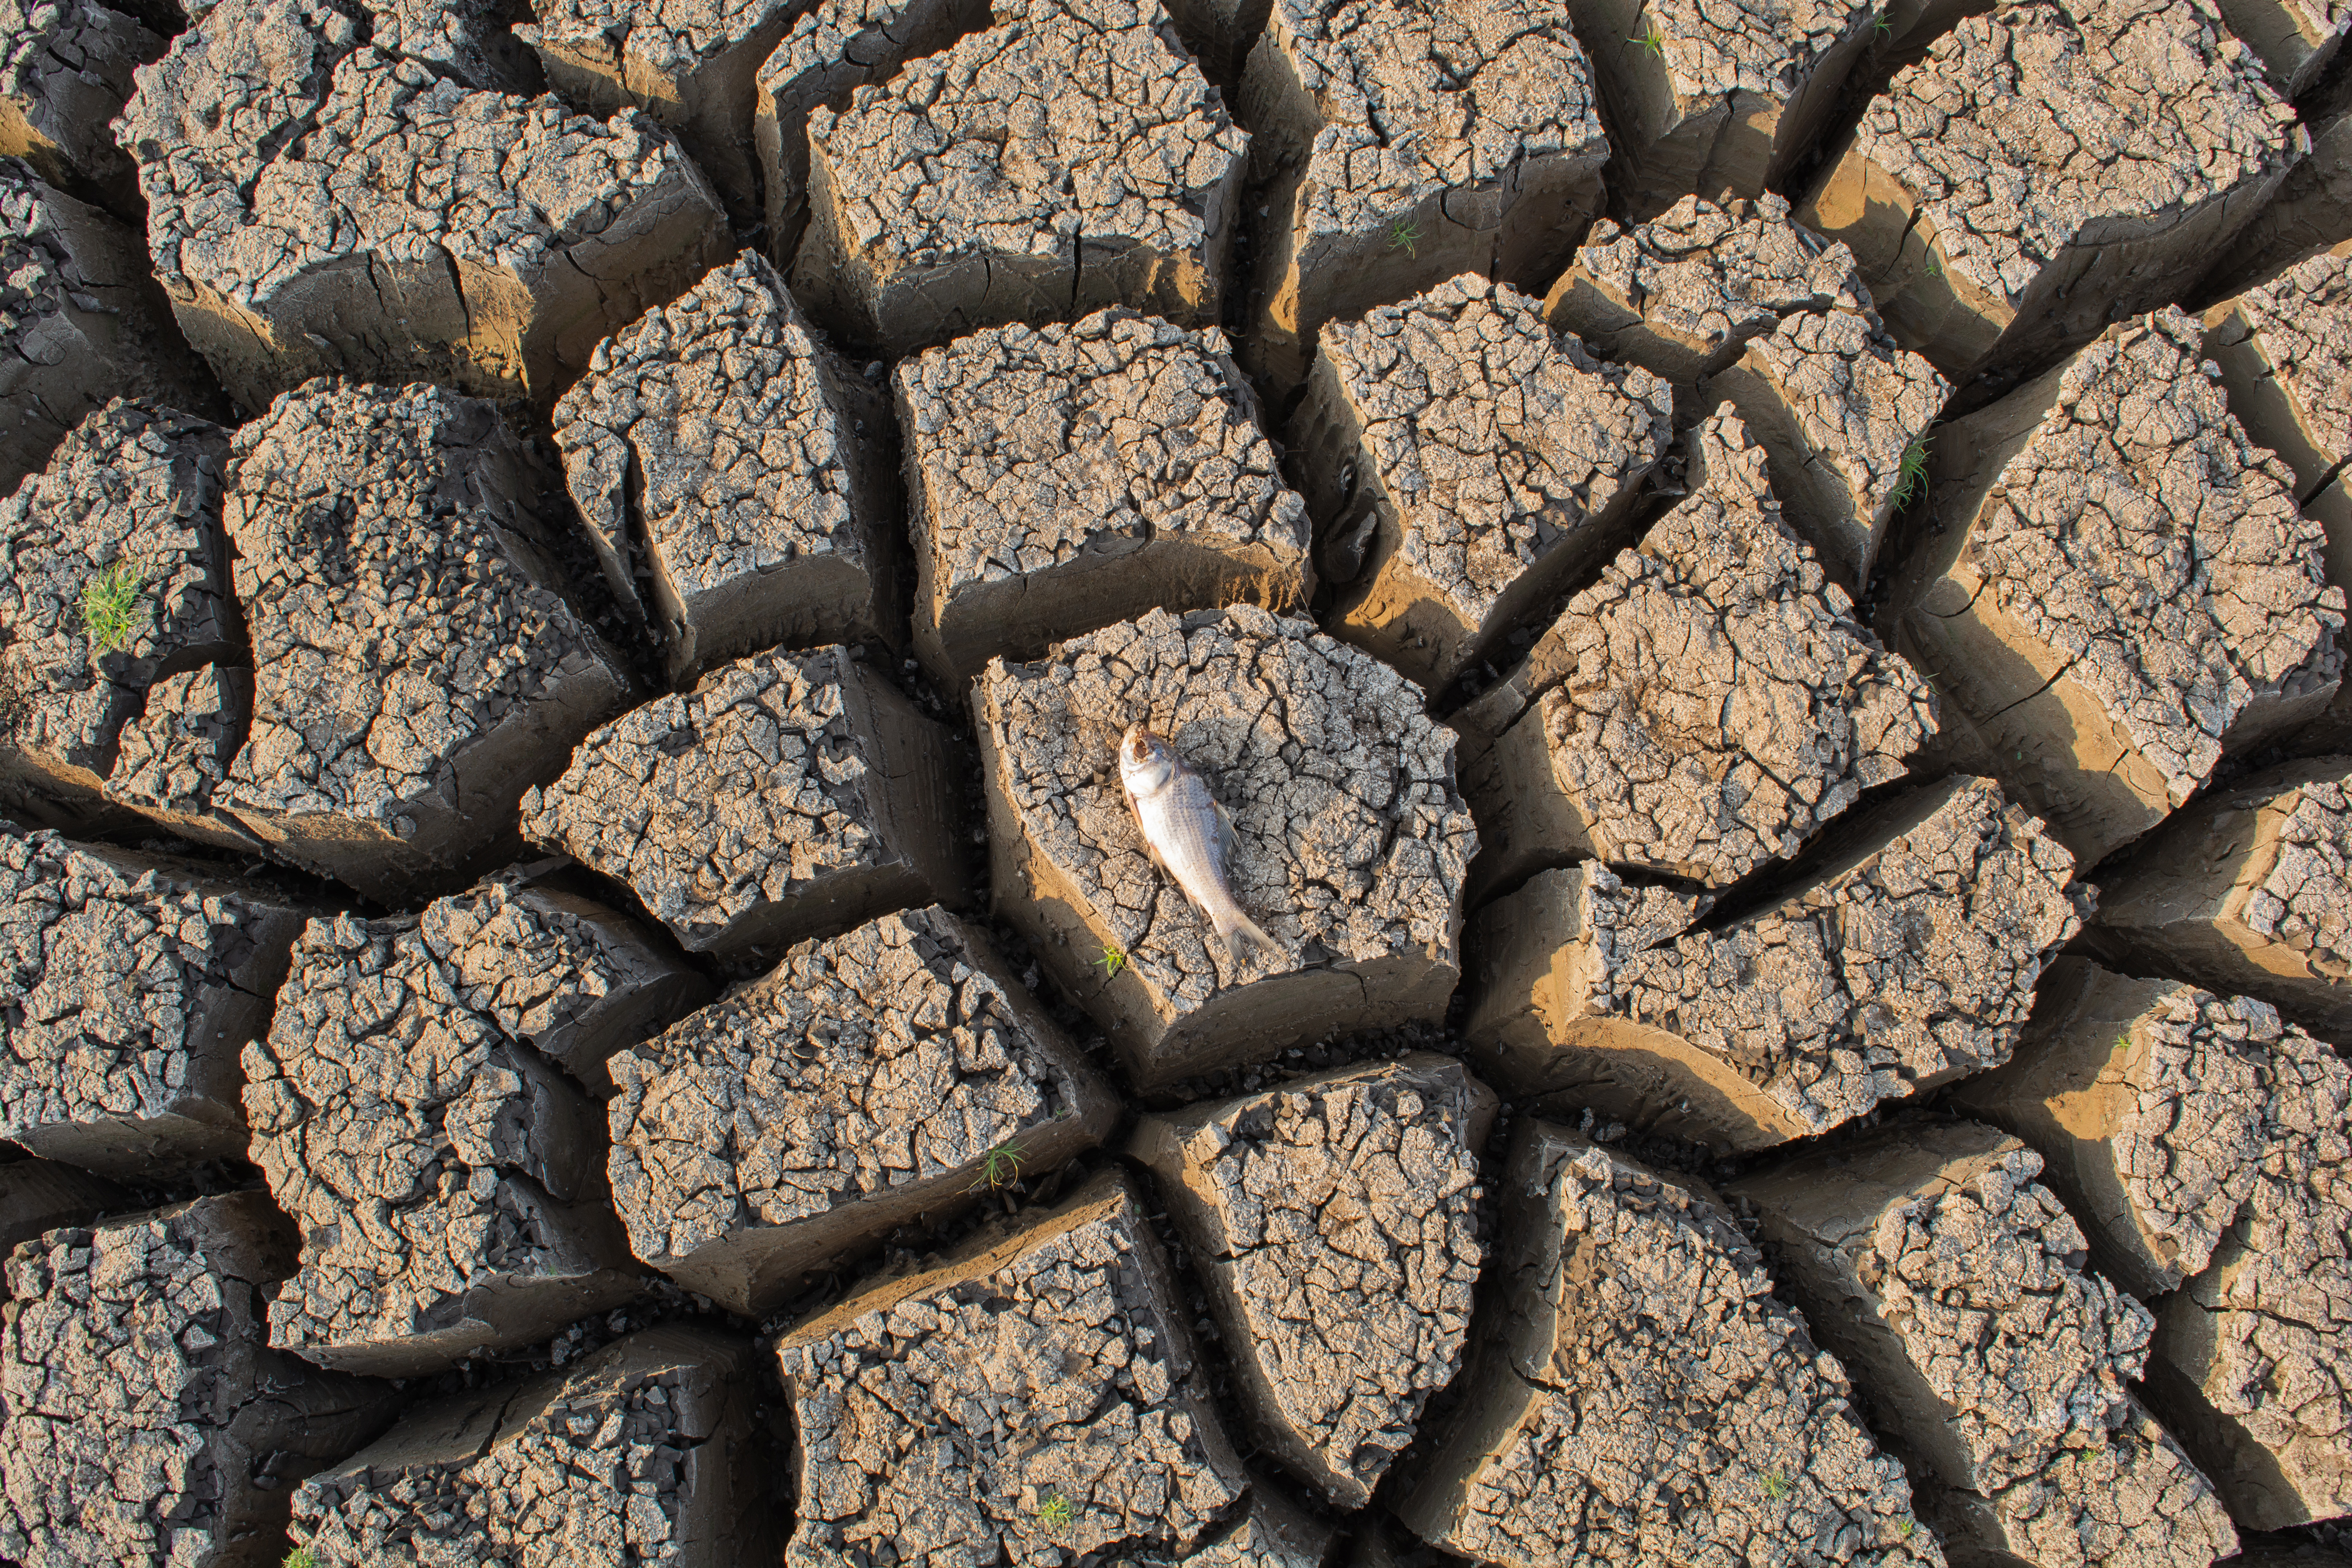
[1760, 591]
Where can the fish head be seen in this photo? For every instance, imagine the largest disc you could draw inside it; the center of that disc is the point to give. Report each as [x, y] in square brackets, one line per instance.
[1146, 761]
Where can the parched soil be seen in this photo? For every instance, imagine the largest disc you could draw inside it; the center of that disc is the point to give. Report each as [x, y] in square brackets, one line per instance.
[2116, 602]
[1705, 708]
[1950, 1279]
[411, 1111]
[895, 1070]
[1749, 603]
[1648, 1398]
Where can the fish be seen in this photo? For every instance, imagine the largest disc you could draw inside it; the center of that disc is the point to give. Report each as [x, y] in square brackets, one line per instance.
[1188, 835]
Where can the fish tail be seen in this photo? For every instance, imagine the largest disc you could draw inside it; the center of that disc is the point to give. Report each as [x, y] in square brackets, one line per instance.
[1241, 934]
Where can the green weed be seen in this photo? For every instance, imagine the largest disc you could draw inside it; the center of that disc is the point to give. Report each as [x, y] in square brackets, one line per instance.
[1056, 1512]
[1776, 1485]
[112, 613]
[1000, 1167]
[1912, 474]
[1111, 959]
[300, 1558]
[1405, 234]
[1653, 40]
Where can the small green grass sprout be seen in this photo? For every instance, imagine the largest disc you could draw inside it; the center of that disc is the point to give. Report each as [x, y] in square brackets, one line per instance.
[1405, 234]
[1881, 26]
[110, 611]
[300, 1558]
[1654, 41]
[1000, 1167]
[1776, 1485]
[1056, 1512]
[1111, 959]
[1903, 1527]
[1912, 474]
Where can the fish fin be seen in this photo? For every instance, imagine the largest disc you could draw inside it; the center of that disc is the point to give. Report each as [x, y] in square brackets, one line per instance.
[1241, 934]
[1226, 841]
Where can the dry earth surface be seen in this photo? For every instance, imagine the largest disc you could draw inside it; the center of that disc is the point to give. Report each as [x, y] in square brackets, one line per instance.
[1752, 602]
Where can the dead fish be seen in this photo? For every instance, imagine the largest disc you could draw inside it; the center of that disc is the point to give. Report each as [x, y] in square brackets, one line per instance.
[1188, 835]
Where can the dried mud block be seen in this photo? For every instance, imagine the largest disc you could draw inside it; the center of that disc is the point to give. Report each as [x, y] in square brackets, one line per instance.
[1349, 844]
[469, 41]
[415, 665]
[830, 49]
[1843, 415]
[2312, 209]
[2249, 1364]
[40, 1195]
[788, 795]
[2119, 589]
[133, 981]
[689, 64]
[65, 69]
[952, 198]
[2284, 350]
[2295, 38]
[447, 1177]
[733, 474]
[1704, 709]
[170, 758]
[1029, 1392]
[1335, 1223]
[1951, 1283]
[1066, 477]
[318, 205]
[1466, 463]
[2247, 892]
[644, 1452]
[2150, 1102]
[1639, 1395]
[146, 1422]
[1410, 145]
[81, 321]
[895, 1071]
[1683, 293]
[1907, 959]
[1275, 1533]
[1712, 98]
[2047, 169]
[115, 600]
